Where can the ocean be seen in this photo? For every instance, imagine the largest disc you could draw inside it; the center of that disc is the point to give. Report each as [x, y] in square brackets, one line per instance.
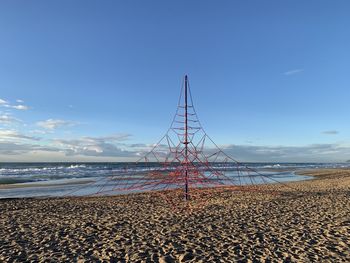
[56, 179]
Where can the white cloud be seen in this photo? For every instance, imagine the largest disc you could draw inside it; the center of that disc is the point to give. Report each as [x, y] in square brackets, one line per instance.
[293, 71]
[20, 107]
[7, 104]
[52, 124]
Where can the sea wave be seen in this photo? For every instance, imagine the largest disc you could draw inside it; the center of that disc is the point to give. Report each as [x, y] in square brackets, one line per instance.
[54, 171]
[38, 169]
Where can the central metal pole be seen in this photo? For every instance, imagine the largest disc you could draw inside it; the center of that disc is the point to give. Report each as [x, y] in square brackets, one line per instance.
[187, 197]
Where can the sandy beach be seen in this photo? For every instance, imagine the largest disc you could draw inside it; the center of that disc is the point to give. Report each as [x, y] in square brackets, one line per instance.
[309, 222]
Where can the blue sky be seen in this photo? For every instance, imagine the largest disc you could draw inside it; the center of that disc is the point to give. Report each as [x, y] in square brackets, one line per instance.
[86, 80]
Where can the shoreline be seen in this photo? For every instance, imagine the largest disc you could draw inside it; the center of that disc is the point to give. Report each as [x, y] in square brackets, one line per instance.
[314, 174]
[89, 185]
[43, 184]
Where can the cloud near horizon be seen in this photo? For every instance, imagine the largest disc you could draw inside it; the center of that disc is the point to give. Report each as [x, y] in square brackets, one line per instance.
[22, 146]
[308, 153]
[107, 146]
[6, 135]
[114, 148]
[13, 148]
[15, 143]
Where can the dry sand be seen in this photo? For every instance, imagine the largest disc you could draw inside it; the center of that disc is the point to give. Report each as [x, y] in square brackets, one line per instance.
[309, 223]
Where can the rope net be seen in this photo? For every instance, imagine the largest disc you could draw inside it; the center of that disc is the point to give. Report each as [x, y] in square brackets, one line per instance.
[186, 168]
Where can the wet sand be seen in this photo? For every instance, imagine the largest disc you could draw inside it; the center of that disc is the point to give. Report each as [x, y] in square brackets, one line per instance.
[44, 184]
[309, 222]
